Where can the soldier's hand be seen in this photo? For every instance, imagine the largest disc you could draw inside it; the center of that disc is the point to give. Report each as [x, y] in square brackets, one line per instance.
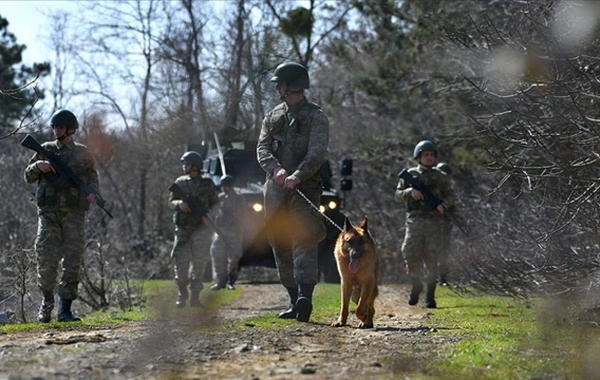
[441, 209]
[417, 195]
[45, 167]
[291, 182]
[92, 199]
[279, 175]
[184, 207]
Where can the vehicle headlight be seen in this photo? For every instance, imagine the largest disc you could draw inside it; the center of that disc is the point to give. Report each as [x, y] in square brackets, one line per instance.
[332, 205]
[322, 208]
[257, 207]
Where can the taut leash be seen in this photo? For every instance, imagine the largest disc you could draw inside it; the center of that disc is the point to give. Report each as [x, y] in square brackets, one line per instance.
[314, 207]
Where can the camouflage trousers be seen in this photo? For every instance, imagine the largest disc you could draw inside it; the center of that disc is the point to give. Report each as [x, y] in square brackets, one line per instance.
[190, 255]
[294, 231]
[422, 243]
[60, 241]
[225, 254]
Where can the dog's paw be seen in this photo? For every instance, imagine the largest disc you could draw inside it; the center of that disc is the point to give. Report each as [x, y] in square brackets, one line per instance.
[364, 325]
[338, 323]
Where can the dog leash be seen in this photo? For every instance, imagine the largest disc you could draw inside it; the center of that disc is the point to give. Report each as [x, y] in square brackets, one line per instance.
[312, 205]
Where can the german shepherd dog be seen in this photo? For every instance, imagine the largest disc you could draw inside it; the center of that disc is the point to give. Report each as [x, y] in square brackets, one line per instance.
[358, 265]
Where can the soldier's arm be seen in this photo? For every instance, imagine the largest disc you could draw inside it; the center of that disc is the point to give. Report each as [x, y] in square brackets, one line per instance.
[317, 147]
[447, 191]
[32, 172]
[264, 148]
[174, 201]
[403, 191]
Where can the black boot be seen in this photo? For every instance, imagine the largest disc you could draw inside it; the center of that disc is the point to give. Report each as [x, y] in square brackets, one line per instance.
[195, 298]
[64, 311]
[218, 286]
[443, 280]
[290, 313]
[45, 313]
[181, 296]
[417, 288]
[304, 304]
[430, 297]
[231, 278]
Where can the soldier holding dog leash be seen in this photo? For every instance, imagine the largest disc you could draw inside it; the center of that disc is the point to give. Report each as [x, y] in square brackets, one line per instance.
[291, 149]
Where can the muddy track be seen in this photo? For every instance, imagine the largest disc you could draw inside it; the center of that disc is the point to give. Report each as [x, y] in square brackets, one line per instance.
[208, 347]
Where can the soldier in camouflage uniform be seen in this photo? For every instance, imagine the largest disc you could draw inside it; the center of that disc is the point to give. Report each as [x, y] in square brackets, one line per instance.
[291, 148]
[444, 252]
[193, 235]
[226, 251]
[424, 223]
[61, 216]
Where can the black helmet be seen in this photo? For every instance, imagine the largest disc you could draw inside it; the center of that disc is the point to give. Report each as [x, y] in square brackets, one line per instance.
[292, 73]
[423, 146]
[227, 180]
[193, 158]
[446, 168]
[64, 117]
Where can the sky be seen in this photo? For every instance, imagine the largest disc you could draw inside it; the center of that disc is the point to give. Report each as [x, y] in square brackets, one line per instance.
[27, 22]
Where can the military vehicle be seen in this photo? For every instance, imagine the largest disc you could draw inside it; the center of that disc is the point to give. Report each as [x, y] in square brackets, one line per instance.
[239, 159]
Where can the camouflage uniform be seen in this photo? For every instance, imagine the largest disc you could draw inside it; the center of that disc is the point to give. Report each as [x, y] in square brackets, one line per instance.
[192, 237]
[226, 251]
[295, 139]
[424, 224]
[61, 219]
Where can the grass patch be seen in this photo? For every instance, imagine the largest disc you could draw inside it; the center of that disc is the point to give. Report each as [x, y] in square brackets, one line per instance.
[502, 338]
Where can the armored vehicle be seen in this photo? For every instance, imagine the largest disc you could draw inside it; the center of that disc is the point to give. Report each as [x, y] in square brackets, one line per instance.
[239, 160]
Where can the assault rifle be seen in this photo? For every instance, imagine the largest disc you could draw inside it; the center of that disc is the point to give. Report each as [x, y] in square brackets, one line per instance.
[64, 171]
[430, 198]
[197, 211]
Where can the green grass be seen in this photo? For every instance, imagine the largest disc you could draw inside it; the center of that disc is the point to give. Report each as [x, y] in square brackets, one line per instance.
[502, 338]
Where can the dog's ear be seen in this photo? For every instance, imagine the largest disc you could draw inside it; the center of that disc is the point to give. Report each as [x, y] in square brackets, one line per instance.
[347, 225]
[363, 224]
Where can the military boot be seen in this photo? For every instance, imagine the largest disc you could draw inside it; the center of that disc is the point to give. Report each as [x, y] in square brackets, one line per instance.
[182, 296]
[417, 288]
[64, 311]
[195, 298]
[304, 304]
[290, 313]
[218, 286]
[430, 296]
[443, 280]
[231, 278]
[45, 313]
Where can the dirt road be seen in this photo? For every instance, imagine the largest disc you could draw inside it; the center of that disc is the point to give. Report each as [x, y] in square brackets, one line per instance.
[211, 348]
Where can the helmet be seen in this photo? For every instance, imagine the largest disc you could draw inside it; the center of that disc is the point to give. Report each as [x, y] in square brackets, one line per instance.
[446, 168]
[227, 180]
[292, 73]
[64, 117]
[423, 146]
[193, 158]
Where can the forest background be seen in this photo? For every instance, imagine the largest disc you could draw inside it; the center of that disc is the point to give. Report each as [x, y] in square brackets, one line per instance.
[508, 90]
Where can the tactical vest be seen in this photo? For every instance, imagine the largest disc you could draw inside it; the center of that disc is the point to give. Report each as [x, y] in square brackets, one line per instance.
[291, 132]
[68, 197]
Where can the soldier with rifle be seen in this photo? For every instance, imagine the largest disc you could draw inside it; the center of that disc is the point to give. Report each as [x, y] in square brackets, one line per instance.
[67, 183]
[192, 197]
[427, 192]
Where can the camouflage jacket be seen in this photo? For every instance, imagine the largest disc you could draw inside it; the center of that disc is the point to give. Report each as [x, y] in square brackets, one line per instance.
[435, 180]
[67, 198]
[200, 194]
[295, 139]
